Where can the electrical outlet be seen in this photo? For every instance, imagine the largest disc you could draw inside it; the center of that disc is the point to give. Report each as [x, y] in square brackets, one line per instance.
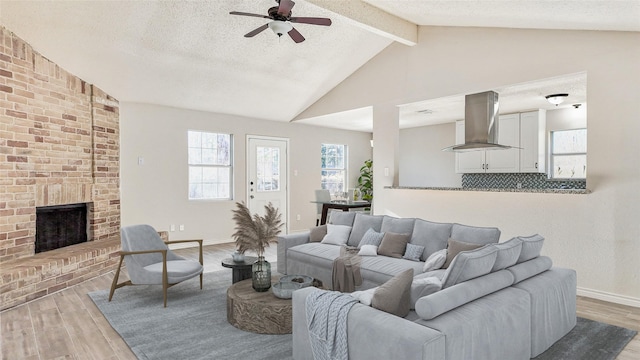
[140, 160]
[172, 227]
[298, 217]
[519, 185]
[181, 227]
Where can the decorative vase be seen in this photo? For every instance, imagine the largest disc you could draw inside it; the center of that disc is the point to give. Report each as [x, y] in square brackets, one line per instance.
[261, 275]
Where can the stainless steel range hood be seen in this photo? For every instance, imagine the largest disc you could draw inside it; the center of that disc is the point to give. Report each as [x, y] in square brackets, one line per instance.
[480, 123]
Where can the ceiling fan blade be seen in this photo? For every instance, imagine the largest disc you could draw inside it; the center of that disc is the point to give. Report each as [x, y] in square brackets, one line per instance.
[249, 14]
[296, 36]
[311, 20]
[257, 31]
[285, 7]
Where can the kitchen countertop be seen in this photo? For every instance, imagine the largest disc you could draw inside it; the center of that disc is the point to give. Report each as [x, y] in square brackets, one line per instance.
[542, 191]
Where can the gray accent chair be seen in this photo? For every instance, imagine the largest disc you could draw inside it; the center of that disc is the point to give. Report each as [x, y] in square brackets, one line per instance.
[150, 261]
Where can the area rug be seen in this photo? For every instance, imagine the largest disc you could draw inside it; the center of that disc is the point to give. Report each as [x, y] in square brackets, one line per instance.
[194, 326]
[589, 340]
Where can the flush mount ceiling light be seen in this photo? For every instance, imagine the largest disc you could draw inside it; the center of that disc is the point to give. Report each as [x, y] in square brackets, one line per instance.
[556, 99]
[280, 27]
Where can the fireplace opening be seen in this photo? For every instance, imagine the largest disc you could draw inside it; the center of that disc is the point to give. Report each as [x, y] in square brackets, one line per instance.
[59, 226]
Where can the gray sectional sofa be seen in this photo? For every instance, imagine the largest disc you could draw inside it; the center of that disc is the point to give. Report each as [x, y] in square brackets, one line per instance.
[488, 307]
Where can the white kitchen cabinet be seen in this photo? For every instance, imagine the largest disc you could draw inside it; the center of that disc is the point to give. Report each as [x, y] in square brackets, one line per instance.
[532, 141]
[492, 161]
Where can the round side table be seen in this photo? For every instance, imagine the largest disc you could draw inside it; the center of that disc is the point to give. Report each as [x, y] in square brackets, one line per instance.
[241, 270]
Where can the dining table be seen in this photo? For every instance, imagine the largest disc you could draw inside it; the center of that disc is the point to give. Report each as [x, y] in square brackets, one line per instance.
[343, 205]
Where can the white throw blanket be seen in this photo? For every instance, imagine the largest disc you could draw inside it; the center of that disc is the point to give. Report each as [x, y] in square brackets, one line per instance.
[327, 321]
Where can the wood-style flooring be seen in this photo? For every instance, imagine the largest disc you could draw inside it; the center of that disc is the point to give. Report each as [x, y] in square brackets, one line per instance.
[67, 325]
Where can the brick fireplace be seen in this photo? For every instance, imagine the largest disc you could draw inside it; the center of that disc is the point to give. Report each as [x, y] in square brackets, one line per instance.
[59, 145]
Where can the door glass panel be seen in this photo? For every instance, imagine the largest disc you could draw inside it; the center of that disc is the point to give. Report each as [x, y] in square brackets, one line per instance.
[268, 168]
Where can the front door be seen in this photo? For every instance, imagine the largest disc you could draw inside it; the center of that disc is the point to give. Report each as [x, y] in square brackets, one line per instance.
[267, 175]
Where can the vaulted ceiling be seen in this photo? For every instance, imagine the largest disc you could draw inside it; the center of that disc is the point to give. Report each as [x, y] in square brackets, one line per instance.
[192, 54]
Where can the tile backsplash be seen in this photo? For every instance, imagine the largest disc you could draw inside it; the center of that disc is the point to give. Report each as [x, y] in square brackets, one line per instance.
[511, 181]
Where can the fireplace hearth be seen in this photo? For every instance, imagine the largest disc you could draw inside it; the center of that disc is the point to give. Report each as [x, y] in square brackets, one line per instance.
[59, 226]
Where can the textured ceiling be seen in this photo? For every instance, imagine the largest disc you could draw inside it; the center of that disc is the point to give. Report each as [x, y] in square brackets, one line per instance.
[620, 15]
[192, 54]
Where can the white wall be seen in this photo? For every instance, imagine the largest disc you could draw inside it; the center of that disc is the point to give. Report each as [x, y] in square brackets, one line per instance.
[156, 193]
[597, 234]
[422, 161]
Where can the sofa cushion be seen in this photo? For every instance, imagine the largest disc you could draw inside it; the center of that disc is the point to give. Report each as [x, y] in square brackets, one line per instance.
[508, 253]
[530, 268]
[435, 261]
[393, 245]
[433, 236]
[397, 225]
[455, 247]
[342, 218]
[371, 237]
[475, 234]
[394, 296]
[440, 302]
[413, 252]
[531, 247]
[316, 234]
[336, 234]
[422, 287]
[468, 265]
[376, 270]
[361, 224]
[368, 250]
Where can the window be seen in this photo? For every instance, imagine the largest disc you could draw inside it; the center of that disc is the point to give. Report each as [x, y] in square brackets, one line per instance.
[210, 170]
[268, 168]
[334, 168]
[569, 154]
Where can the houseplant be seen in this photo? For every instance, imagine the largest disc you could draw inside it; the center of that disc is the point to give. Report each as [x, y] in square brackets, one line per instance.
[365, 181]
[255, 233]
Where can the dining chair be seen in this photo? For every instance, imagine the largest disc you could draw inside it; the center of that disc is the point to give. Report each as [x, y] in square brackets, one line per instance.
[322, 195]
[149, 260]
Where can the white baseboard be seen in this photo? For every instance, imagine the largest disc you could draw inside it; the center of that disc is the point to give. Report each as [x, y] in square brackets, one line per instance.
[605, 296]
[194, 244]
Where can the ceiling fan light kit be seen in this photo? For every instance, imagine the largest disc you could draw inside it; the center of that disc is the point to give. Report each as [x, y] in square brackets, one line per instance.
[281, 16]
[280, 27]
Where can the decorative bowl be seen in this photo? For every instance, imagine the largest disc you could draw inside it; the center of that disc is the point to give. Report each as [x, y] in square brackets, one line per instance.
[284, 290]
[303, 280]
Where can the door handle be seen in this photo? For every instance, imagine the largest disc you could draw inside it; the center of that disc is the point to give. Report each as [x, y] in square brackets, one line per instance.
[251, 197]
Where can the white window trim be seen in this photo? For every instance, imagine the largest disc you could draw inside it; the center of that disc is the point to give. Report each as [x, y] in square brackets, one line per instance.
[230, 167]
[552, 156]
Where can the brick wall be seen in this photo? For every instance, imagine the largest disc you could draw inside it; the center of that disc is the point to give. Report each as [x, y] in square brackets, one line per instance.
[59, 144]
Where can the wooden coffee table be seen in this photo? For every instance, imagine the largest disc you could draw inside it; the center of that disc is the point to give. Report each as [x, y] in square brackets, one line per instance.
[258, 312]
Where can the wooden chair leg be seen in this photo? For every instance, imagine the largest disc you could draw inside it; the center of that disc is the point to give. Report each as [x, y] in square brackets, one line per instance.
[165, 277]
[115, 278]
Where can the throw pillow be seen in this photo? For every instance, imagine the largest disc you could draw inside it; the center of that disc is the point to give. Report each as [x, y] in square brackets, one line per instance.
[455, 247]
[371, 237]
[435, 261]
[316, 234]
[362, 223]
[531, 247]
[368, 250]
[394, 296]
[364, 296]
[336, 234]
[413, 252]
[508, 253]
[393, 245]
[423, 287]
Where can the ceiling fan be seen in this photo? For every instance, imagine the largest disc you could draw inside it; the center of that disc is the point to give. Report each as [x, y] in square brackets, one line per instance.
[282, 19]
